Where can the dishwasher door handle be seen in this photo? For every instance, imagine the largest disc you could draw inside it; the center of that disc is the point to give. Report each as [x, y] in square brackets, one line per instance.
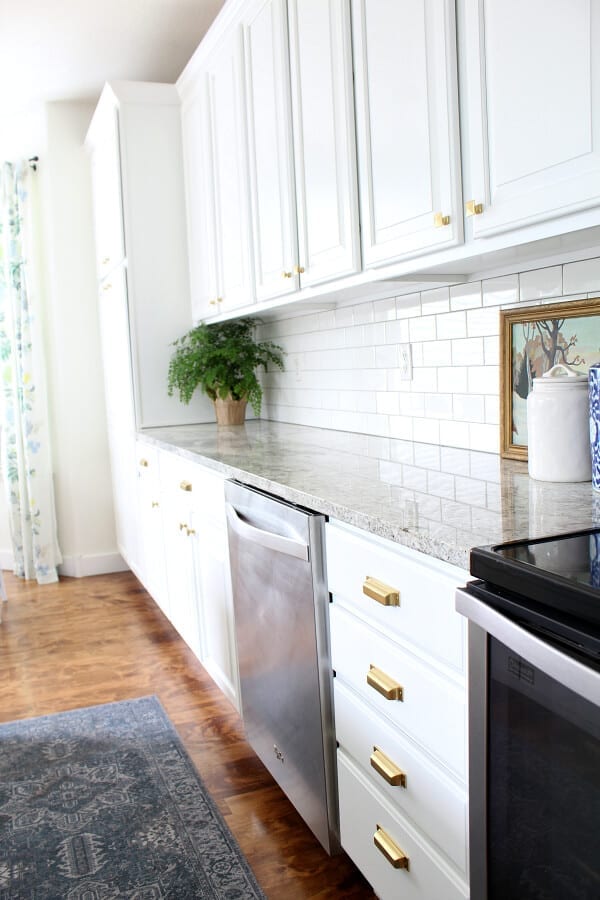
[266, 539]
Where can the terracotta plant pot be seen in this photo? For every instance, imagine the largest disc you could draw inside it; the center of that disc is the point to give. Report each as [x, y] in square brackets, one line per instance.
[230, 411]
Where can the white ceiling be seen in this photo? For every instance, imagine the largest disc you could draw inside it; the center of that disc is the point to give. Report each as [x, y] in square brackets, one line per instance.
[66, 49]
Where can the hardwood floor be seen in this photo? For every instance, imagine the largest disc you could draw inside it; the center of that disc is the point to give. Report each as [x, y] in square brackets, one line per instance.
[95, 640]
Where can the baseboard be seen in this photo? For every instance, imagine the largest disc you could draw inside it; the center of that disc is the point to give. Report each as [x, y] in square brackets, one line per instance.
[96, 564]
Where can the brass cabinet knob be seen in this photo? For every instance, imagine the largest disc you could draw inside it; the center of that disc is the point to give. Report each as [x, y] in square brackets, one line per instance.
[185, 485]
[383, 593]
[390, 849]
[286, 274]
[299, 270]
[106, 260]
[107, 287]
[190, 531]
[384, 684]
[440, 220]
[215, 301]
[154, 504]
[144, 463]
[388, 769]
[472, 208]
[182, 525]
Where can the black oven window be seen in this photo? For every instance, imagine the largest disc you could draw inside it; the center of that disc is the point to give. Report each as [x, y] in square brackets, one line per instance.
[543, 785]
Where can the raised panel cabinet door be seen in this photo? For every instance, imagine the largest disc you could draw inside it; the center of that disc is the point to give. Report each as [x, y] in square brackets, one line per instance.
[407, 128]
[106, 188]
[200, 202]
[532, 99]
[181, 553]
[324, 139]
[270, 148]
[230, 174]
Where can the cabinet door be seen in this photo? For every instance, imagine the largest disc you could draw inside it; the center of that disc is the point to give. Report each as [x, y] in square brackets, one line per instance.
[200, 196]
[152, 573]
[533, 110]
[270, 148]
[120, 413]
[407, 127]
[181, 555]
[324, 139]
[230, 174]
[106, 188]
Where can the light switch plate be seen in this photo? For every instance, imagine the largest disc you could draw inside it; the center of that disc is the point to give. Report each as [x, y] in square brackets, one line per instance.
[405, 362]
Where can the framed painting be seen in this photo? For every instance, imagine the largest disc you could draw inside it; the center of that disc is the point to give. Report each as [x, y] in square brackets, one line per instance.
[533, 340]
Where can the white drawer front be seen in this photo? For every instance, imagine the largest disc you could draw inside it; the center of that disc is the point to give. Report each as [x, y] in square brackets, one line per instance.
[361, 811]
[146, 458]
[432, 712]
[433, 803]
[425, 617]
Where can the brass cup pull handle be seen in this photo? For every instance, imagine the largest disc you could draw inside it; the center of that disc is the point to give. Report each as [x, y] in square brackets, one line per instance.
[390, 849]
[144, 463]
[385, 685]
[383, 593]
[185, 485]
[388, 769]
[472, 208]
[440, 220]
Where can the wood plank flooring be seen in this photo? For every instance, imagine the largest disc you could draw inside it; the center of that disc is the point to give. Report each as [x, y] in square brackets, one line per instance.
[95, 640]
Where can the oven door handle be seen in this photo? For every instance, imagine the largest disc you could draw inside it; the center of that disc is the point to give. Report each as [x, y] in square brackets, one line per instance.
[576, 676]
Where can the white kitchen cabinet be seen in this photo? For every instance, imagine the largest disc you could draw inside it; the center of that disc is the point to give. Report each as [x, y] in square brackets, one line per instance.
[152, 569]
[216, 170]
[324, 141]
[531, 112]
[398, 652]
[271, 170]
[407, 128]
[134, 141]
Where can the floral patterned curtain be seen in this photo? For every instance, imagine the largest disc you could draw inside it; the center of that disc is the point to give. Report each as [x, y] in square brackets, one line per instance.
[26, 463]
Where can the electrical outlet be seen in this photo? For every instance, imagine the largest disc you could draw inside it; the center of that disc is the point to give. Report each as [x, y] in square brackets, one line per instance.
[405, 362]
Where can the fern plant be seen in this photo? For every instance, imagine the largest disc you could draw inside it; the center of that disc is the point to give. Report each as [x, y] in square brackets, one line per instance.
[222, 360]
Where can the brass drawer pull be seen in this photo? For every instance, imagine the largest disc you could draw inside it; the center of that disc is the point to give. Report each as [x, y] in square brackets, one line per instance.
[388, 770]
[144, 463]
[186, 485]
[381, 682]
[472, 208]
[440, 220]
[390, 849]
[155, 503]
[383, 593]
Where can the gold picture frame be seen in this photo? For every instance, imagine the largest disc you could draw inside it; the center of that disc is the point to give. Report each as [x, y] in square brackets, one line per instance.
[530, 338]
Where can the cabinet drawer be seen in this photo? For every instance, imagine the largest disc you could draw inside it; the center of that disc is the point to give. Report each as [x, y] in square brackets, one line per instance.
[430, 800]
[432, 711]
[179, 473]
[425, 616]
[146, 459]
[362, 810]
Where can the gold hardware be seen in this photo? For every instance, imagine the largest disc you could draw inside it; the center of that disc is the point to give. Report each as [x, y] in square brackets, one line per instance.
[377, 590]
[473, 209]
[106, 260]
[390, 849]
[182, 525]
[286, 274]
[144, 463]
[190, 531]
[186, 485]
[212, 302]
[107, 287]
[439, 220]
[388, 770]
[381, 682]
[299, 270]
[155, 503]
[219, 299]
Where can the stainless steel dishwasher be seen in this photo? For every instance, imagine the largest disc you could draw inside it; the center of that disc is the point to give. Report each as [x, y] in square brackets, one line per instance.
[281, 623]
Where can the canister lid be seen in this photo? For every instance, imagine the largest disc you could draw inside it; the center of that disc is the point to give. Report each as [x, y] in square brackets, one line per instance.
[560, 377]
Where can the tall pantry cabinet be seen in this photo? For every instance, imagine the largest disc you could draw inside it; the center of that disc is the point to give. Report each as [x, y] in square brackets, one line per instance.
[134, 142]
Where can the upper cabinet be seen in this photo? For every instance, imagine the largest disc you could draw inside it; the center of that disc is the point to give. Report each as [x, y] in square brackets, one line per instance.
[531, 128]
[324, 139]
[407, 127]
[270, 148]
[105, 167]
[216, 173]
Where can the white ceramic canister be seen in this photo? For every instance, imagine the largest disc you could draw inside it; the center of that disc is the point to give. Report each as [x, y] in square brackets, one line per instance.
[558, 432]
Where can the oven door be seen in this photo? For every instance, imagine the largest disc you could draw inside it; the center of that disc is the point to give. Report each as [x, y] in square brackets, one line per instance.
[534, 764]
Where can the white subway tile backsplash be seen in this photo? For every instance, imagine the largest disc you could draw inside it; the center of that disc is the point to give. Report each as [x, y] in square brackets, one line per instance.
[541, 283]
[440, 484]
[343, 372]
[582, 276]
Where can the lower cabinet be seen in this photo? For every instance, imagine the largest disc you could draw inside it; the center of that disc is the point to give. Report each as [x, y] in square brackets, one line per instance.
[184, 558]
[398, 651]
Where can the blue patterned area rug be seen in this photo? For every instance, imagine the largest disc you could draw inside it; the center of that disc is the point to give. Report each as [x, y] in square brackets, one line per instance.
[103, 803]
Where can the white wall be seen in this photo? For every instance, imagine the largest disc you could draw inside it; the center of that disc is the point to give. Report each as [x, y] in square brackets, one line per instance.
[343, 365]
[84, 508]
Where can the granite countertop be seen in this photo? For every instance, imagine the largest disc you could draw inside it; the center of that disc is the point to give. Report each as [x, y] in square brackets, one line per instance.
[439, 500]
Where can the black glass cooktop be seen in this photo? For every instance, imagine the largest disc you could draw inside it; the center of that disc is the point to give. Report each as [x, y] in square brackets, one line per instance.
[561, 572]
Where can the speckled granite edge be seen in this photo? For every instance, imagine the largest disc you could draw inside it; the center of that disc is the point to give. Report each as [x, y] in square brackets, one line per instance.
[438, 501]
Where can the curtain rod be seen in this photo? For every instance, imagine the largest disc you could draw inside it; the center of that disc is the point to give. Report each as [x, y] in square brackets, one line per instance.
[33, 161]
